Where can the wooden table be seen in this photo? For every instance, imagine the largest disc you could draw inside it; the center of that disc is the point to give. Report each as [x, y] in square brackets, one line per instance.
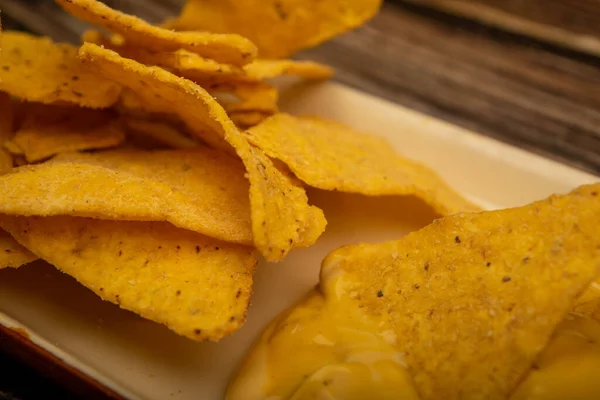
[509, 84]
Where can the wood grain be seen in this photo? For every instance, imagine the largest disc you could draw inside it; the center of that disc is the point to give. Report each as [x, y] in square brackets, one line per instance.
[572, 24]
[513, 88]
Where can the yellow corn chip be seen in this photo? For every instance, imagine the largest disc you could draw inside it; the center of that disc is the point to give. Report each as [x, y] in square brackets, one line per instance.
[265, 69]
[36, 69]
[200, 190]
[197, 286]
[278, 28]
[6, 130]
[66, 130]
[474, 298]
[258, 96]
[275, 201]
[248, 119]
[12, 254]
[331, 156]
[181, 62]
[160, 132]
[209, 72]
[226, 48]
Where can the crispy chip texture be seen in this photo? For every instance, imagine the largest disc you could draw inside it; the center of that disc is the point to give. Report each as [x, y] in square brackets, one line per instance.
[36, 69]
[292, 221]
[225, 48]
[474, 298]
[197, 286]
[331, 156]
[12, 254]
[6, 130]
[279, 28]
[200, 190]
[63, 130]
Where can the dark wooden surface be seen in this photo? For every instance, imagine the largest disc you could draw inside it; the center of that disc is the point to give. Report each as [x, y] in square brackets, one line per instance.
[523, 91]
[519, 90]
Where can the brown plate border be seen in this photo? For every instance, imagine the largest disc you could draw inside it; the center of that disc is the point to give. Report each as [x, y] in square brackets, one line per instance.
[17, 343]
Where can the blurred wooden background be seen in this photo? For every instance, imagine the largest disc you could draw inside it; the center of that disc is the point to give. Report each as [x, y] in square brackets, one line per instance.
[526, 72]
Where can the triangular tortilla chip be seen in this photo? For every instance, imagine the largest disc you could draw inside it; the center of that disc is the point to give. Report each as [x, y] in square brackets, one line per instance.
[12, 254]
[37, 69]
[276, 202]
[201, 190]
[332, 156]
[197, 286]
[279, 28]
[225, 48]
[474, 298]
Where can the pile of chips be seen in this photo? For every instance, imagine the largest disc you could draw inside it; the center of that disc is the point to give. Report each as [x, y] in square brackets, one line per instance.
[152, 163]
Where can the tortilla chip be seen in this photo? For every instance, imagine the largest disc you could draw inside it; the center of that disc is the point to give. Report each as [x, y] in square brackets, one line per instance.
[183, 63]
[12, 254]
[6, 130]
[260, 70]
[159, 132]
[300, 223]
[66, 130]
[281, 216]
[259, 97]
[200, 190]
[206, 71]
[474, 298]
[278, 28]
[225, 48]
[197, 286]
[36, 69]
[248, 119]
[331, 156]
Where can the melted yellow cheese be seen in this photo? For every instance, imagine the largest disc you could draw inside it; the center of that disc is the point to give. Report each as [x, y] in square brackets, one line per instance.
[326, 348]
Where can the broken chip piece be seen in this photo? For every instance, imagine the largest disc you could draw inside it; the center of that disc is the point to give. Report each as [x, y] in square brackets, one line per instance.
[37, 69]
[464, 305]
[12, 254]
[225, 48]
[331, 156]
[197, 286]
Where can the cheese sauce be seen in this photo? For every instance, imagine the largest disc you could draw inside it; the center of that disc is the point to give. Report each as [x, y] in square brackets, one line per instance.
[327, 348]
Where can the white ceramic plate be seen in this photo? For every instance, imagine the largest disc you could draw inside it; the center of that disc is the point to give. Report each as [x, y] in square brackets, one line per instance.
[141, 359]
